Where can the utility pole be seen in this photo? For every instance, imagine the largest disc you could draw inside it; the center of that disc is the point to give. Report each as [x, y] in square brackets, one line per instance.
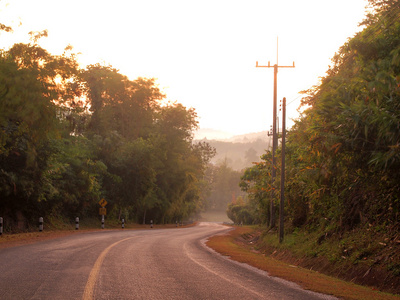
[282, 203]
[274, 133]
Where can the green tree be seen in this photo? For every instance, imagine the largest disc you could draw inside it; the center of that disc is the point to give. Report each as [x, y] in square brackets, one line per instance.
[243, 212]
[180, 165]
[72, 181]
[251, 156]
[256, 182]
[224, 186]
[28, 119]
[70, 137]
[119, 104]
[134, 162]
[342, 155]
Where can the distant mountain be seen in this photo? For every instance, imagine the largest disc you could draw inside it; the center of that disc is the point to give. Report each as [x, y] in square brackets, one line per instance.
[239, 151]
[249, 137]
[211, 134]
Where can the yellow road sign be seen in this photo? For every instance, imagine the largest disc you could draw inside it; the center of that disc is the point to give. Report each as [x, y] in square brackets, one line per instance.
[103, 202]
[103, 211]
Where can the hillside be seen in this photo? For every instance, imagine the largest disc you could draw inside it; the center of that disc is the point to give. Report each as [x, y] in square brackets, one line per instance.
[342, 159]
[240, 151]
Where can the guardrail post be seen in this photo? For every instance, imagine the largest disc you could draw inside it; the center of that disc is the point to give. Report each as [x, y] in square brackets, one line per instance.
[41, 224]
[1, 225]
[123, 223]
[76, 223]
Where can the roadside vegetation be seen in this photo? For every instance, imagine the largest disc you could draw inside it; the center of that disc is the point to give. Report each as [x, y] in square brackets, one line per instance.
[71, 136]
[342, 189]
[242, 245]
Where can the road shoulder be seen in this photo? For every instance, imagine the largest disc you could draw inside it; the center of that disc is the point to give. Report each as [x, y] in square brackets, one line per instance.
[230, 244]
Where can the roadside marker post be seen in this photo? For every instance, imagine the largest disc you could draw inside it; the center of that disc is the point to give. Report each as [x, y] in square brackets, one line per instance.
[151, 223]
[123, 223]
[41, 224]
[102, 221]
[76, 223]
[1, 225]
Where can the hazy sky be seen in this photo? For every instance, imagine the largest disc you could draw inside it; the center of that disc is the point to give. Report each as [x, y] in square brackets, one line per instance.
[203, 53]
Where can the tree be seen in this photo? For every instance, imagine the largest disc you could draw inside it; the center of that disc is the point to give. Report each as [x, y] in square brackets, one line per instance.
[256, 183]
[224, 186]
[180, 163]
[72, 181]
[134, 162]
[243, 212]
[251, 156]
[28, 120]
[342, 155]
[70, 137]
[119, 104]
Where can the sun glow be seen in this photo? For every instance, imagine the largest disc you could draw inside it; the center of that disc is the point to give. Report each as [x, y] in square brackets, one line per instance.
[202, 53]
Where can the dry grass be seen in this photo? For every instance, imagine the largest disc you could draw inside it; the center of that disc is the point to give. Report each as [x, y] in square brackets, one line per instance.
[13, 240]
[230, 245]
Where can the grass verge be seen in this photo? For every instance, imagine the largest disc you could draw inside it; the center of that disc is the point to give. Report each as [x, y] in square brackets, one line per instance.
[231, 245]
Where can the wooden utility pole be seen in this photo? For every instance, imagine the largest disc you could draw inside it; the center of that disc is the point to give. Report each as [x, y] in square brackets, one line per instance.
[282, 203]
[274, 133]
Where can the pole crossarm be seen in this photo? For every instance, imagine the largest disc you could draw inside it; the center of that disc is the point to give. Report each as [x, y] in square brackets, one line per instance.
[269, 66]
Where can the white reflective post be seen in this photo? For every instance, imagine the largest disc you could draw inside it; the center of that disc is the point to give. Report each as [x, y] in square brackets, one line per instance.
[40, 224]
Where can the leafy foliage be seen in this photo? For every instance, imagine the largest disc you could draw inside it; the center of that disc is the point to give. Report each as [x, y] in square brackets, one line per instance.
[72, 136]
[223, 186]
[343, 154]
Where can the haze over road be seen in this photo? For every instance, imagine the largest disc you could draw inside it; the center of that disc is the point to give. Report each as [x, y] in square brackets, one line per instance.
[135, 264]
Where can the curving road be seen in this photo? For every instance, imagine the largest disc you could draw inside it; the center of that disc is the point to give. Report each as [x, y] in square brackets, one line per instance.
[136, 264]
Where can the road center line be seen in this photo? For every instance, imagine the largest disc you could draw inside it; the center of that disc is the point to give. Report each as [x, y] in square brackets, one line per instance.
[88, 294]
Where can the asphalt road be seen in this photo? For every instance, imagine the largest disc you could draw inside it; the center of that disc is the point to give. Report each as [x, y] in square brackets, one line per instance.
[136, 264]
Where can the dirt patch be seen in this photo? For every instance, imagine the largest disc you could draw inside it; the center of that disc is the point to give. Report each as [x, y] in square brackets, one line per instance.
[19, 239]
